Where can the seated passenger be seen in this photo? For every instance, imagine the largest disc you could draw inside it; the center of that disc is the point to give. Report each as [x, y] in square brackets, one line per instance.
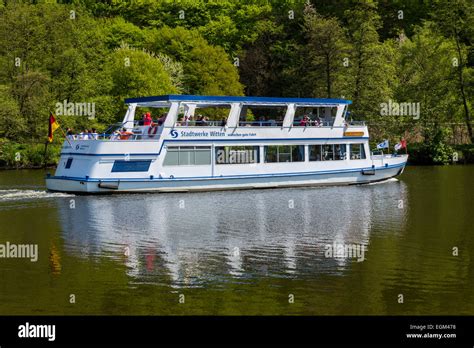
[185, 121]
[115, 135]
[223, 122]
[125, 134]
[83, 135]
[93, 134]
[201, 121]
[161, 120]
[304, 121]
[70, 133]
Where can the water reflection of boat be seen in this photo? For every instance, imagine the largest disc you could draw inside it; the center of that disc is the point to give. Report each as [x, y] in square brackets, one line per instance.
[192, 239]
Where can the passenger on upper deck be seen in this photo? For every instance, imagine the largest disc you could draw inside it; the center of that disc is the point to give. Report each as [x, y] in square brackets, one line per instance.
[84, 135]
[70, 133]
[305, 121]
[161, 120]
[125, 134]
[202, 120]
[93, 134]
[147, 119]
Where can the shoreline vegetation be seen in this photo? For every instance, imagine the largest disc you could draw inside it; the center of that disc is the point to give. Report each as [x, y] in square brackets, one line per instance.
[407, 66]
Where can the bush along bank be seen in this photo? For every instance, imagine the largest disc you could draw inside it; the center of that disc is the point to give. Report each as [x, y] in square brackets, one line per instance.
[427, 154]
[25, 156]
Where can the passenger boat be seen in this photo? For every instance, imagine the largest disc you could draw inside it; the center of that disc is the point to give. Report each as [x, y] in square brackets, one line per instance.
[312, 143]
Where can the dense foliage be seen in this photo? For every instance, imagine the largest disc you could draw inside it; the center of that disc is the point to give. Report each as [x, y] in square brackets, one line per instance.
[371, 52]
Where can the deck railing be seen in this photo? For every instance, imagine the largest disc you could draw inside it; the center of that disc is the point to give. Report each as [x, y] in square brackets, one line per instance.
[113, 133]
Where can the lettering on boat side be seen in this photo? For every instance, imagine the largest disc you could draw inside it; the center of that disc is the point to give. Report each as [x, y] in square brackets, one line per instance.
[211, 134]
[37, 331]
[80, 147]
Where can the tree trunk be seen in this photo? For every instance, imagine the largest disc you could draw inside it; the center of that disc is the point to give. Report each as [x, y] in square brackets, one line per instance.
[328, 76]
[467, 116]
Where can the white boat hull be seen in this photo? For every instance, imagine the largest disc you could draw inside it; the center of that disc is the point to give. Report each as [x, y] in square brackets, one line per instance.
[343, 177]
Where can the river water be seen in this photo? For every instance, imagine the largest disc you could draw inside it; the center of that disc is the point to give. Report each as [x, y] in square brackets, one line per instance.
[405, 246]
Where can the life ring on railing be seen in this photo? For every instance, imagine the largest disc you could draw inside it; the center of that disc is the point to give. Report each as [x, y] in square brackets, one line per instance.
[152, 131]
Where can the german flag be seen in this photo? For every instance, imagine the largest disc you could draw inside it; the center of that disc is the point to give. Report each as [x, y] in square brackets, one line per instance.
[53, 125]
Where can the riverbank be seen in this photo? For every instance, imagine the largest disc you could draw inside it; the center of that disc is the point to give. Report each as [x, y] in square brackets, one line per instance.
[28, 156]
[32, 156]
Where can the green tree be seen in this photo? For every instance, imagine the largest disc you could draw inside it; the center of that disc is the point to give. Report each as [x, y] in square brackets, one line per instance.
[372, 63]
[137, 73]
[325, 52]
[12, 124]
[454, 20]
[207, 69]
[428, 77]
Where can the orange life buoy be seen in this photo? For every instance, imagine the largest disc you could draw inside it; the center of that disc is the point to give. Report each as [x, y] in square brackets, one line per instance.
[152, 131]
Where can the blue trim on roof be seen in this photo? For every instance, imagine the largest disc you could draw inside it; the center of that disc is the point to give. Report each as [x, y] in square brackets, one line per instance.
[235, 99]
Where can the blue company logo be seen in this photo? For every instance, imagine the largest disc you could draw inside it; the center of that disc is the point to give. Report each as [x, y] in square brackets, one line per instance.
[174, 134]
[77, 147]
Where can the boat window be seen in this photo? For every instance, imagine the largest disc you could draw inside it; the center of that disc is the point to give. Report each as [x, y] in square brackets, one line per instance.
[315, 152]
[68, 163]
[284, 153]
[357, 151]
[237, 154]
[172, 157]
[328, 152]
[202, 156]
[131, 166]
[340, 151]
[187, 155]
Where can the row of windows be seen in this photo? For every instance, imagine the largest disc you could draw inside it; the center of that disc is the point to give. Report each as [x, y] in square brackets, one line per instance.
[201, 155]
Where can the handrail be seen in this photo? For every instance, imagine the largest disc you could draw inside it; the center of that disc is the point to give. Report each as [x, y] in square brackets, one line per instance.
[107, 135]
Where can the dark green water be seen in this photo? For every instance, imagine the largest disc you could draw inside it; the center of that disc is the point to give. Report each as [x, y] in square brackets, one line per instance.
[245, 252]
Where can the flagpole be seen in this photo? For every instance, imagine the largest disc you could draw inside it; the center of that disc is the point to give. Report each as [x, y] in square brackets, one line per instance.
[62, 130]
[44, 156]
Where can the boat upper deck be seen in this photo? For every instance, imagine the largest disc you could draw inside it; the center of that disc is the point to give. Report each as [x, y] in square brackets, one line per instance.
[265, 115]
